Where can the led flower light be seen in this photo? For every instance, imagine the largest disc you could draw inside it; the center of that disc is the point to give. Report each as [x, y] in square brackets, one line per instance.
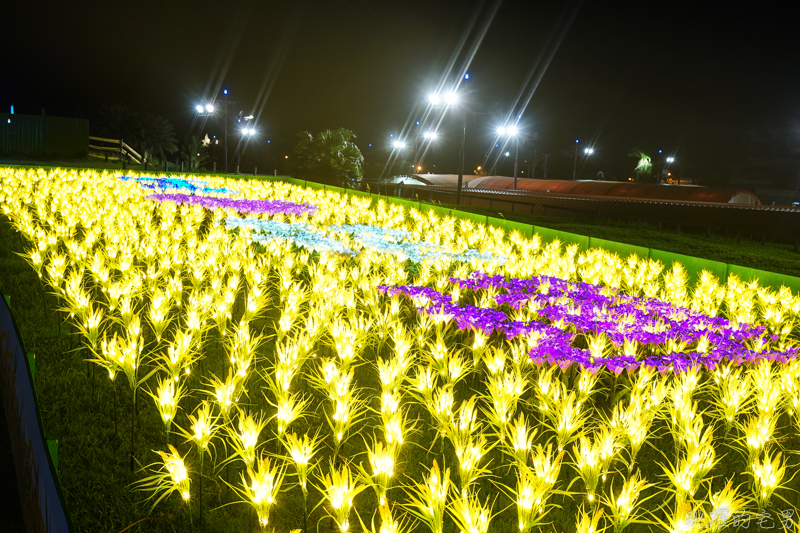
[339, 487]
[261, 490]
[428, 499]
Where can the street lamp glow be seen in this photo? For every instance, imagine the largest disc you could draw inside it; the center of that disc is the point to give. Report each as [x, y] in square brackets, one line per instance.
[451, 98]
[209, 108]
[508, 154]
[501, 131]
[199, 108]
[588, 151]
[670, 160]
[431, 135]
[248, 131]
[398, 144]
[434, 98]
[512, 131]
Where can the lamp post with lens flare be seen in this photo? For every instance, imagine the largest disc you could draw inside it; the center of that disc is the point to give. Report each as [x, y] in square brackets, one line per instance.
[247, 133]
[211, 110]
[452, 99]
[512, 131]
[586, 151]
[428, 136]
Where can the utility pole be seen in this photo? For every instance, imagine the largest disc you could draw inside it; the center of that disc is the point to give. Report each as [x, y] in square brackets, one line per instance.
[461, 155]
[545, 165]
[516, 161]
[575, 165]
[226, 131]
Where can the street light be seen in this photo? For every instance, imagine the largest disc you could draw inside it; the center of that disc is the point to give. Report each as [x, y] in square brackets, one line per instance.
[246, 132]
[670, 160]
[209, 109]
[398, 144]
[511, 131]
[430, 135]
[586, 151]
[451, 99]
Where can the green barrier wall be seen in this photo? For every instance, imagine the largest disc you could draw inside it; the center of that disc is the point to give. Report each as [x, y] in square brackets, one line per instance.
[314, 185]
[475, 217]
[770, 279]
[694, 265]
[567, 238]
[619, 248]
[510, 225]
[439, 210]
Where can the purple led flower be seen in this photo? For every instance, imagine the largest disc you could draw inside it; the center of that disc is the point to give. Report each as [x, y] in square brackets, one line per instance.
[270, 207]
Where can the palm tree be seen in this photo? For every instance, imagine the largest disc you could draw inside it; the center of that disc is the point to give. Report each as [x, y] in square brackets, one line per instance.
[116, 120]
[155, 137]
[329, 157]
[194, 152]
[644, 164]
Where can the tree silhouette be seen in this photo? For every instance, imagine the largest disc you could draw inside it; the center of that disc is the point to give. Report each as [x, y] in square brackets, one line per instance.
[329, 157]
[155, 137]
[116, 120]
[194, 152]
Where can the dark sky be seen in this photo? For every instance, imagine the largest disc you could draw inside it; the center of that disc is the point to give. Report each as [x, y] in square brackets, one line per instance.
[657, 75]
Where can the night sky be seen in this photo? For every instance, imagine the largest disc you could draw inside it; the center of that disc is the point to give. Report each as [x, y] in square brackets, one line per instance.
[690, 81]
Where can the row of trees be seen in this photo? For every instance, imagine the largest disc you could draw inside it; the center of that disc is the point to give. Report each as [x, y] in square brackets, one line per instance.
[152, 135]
[330, 156]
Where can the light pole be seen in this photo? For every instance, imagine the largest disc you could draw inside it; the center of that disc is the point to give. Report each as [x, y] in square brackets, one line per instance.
[575, 165]
[669, 160]
[451, 99]
[429, 136]
[512, 131]
[586, 151]
[246, 133]
[210, 110]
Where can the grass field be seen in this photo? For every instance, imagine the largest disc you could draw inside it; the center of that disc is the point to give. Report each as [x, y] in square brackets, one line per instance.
[312, 303]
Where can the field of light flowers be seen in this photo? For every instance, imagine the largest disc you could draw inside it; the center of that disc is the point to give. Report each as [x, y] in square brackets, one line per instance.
[263, 355]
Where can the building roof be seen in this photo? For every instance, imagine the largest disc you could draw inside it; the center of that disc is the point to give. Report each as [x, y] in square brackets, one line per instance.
[617, 189]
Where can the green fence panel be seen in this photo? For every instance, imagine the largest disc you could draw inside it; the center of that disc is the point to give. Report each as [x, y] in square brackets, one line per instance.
[315, 185]
[526, 229]
[497, 222]
[510, 225]
[767, 279]
[358, 193]
[438, 209]
[619, 248]
[475, 217]
[404, 202]
[295, 181]
[549, 234]
[694, 265]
